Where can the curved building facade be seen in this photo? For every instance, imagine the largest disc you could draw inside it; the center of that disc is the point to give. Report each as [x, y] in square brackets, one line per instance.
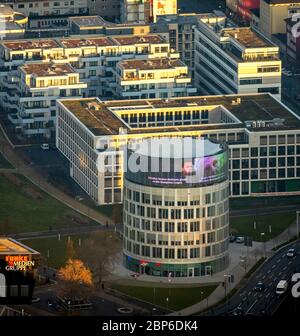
[176, 222]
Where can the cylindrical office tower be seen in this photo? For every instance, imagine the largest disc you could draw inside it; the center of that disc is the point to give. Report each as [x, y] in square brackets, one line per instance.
[176, 212]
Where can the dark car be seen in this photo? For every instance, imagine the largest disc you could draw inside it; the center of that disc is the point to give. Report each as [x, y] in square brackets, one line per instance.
[232, 239]
[260, 287]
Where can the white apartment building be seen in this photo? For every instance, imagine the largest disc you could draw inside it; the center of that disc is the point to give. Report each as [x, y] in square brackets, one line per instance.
[155, 78]
[263, 136]
[96, 58]
[38, 88]
[93, 58]
[235, 60]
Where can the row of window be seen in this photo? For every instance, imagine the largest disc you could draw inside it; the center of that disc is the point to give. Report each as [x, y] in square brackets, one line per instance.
[176, 253]
[172, 200]
[264, 162]
[206, 224]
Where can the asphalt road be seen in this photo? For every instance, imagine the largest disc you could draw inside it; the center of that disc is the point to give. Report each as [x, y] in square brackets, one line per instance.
[278, 267]
[102, 306]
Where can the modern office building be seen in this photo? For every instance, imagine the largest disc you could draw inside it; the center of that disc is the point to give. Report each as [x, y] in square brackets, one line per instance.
[38, 87]
[235, 60]
[155, 78]
[145, 11]
[176, 220]
[181, 33]
[273, 14]
[18, 267]
[262, 133]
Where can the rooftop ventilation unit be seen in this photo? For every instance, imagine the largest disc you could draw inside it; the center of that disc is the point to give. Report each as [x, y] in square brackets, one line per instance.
[236, 102]
[93, 106]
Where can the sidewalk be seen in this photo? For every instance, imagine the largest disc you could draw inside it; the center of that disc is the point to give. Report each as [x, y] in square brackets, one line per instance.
[40, 182]
[238, 272]
[237, 268]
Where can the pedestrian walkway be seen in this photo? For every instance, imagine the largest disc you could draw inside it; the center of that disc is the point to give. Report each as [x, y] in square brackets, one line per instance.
[261, 249]
[242, 259]
[36, 178]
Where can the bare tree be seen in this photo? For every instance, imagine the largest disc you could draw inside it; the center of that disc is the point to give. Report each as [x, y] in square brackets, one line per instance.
[100, 254]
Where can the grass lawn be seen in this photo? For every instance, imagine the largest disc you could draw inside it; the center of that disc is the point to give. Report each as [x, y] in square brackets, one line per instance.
[113, 211]
[22, 213]
[4, 163]
[244, 226]
[58, 254]
[262, 202]
[179, 298]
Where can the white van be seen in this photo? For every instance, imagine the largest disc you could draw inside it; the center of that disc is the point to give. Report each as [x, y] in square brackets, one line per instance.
[281, 287]
[45, 146]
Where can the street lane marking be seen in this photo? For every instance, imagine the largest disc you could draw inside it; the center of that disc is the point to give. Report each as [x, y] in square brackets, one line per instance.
[254, 303]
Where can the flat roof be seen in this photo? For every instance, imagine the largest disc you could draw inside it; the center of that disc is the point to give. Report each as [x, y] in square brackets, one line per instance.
[31, 44]
[249, 38]
[102, 119]
[129, 40]
[90, 21]
[9, 246]
[157, 64]
[88, 41]
[97, 21]
[47, 69]
[110, 41]
[94, 115]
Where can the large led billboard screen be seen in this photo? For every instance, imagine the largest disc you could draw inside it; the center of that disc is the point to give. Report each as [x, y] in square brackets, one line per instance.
[181, 172]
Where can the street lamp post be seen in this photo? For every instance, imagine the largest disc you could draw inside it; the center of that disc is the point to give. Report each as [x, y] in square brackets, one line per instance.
[263, 241]
[298, 215]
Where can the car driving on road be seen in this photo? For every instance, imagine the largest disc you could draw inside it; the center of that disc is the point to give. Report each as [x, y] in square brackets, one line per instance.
[260, 287]
[282, 287]
[291, 253]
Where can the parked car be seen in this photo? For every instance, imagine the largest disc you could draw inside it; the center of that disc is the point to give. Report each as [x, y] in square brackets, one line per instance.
[232, 239]
[45, 146]
[260, 287]
[281, 287]
[240, 240]
[291, 253]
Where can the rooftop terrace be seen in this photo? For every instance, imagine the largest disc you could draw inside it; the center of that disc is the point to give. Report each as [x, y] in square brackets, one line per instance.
[86, 42]
[47, 69]
[27, 44]
[157, 64]
[249, 38]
